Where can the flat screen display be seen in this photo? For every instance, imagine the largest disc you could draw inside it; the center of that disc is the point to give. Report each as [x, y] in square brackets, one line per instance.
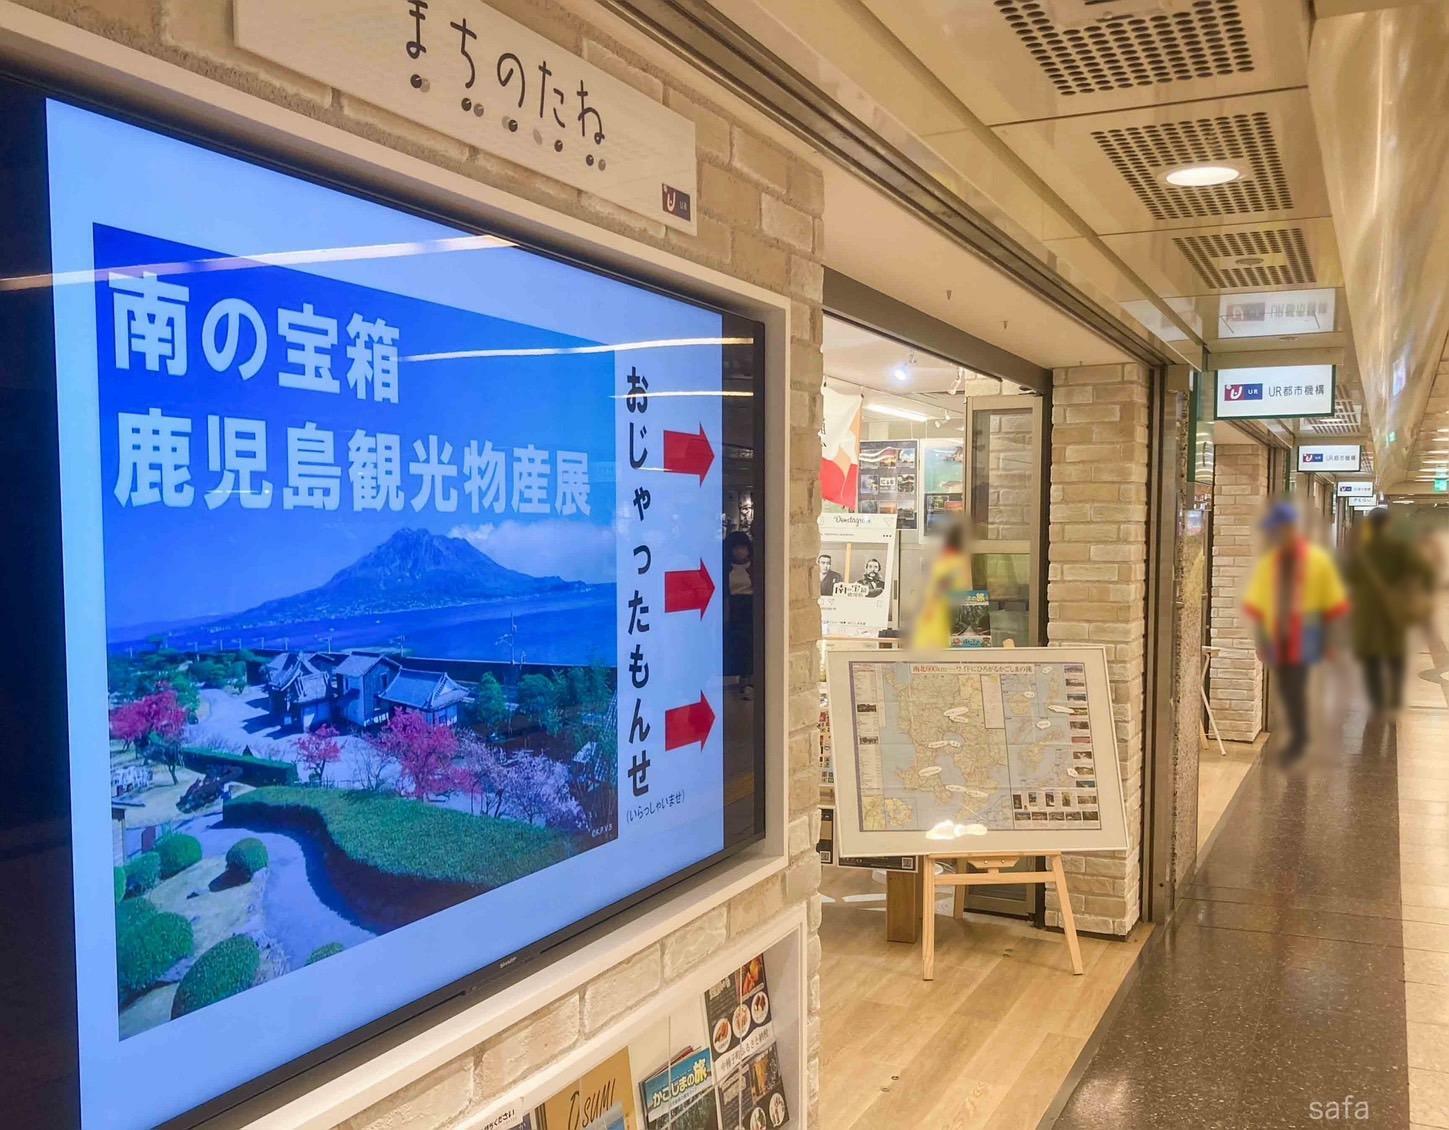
[1330, 457]
[1275, 391]
[384, 614]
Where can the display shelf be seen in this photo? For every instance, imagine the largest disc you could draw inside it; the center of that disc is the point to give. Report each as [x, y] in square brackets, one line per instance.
[782, 941]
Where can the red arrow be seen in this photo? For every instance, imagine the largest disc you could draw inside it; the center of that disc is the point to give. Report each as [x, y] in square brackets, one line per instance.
[688, 454]
[685, 725]
[686, 590]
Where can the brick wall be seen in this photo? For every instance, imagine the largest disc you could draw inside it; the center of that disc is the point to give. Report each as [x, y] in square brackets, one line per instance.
[1096, 592]
[1235, 689]
[760, 220]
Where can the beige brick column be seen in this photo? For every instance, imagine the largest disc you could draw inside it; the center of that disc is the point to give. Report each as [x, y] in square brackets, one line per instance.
[1240, 484]
[760, 206]
[1096, 592]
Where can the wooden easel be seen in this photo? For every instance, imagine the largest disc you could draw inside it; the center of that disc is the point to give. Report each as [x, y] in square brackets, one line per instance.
[995, 871]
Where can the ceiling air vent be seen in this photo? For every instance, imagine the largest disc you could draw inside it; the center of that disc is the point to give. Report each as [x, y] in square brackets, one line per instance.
[1142, 153]
[1126, 45]
[1226, 260]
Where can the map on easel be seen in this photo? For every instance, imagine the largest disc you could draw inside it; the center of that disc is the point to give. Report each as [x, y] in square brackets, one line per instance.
[975, 750]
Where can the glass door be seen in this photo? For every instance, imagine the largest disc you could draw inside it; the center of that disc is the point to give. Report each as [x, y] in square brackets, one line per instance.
[1003, 502]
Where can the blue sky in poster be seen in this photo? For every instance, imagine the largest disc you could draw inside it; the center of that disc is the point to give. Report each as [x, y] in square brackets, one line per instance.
[231, 558]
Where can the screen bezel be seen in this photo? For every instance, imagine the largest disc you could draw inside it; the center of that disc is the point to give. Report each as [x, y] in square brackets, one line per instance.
[250, 1099]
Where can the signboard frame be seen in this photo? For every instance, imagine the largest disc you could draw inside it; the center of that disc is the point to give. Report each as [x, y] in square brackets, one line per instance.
[853, 840]
[1356, 469]
[1218, 394]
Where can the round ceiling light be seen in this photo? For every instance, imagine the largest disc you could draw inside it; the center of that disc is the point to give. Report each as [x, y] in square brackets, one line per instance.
[1202, 176]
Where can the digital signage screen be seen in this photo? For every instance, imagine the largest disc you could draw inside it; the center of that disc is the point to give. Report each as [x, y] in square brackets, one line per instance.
[1330, 457]
[379, 625]
[1276, 391]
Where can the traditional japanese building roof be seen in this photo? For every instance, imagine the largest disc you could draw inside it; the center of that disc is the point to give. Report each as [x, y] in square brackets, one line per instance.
[355, 665]
[311, 687]
[283, 669]
[422, 690]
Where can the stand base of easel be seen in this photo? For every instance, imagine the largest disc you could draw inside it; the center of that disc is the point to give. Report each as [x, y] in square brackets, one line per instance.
[994, 871]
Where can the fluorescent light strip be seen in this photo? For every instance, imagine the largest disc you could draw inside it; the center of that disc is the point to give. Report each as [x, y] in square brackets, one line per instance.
[265, 259]
[662, 343]
[899, 413]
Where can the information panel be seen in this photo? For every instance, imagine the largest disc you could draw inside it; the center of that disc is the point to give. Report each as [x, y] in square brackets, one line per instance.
[395, 638]
[981, 750]
[1330, 457]
[1275, 391]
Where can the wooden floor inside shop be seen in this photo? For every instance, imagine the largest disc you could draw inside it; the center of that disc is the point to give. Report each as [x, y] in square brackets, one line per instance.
[987, 1043]
[991, 1039]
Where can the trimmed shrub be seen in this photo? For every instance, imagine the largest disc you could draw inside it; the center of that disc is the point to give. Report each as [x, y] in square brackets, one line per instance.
[254, 770]
[324, 951]
[142, 872]
[247, 857]
[178, 851]
[120, 873]
[228, 968]
[133, 912]
[148, 942]
[410, 838]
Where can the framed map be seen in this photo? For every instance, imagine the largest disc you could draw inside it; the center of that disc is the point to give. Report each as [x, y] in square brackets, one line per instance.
[980, 750]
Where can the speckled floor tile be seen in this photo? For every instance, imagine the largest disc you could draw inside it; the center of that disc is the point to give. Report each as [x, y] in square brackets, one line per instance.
[1280, 987]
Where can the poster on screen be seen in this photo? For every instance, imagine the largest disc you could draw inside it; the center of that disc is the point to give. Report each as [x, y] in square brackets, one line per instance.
[1270, 392]
[1330, 457]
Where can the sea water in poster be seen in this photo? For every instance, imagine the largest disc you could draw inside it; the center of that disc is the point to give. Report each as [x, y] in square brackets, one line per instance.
[943, 482]
[362, 546]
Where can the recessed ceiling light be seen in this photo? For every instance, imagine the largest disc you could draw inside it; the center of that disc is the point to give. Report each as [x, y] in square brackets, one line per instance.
[901, 373]
[1202, 176]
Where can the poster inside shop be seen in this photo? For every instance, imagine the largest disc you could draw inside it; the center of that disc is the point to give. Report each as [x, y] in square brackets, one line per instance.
[981, 749]
[378, 667]
[856, 569]
[943, 482]
[888, 479]
[971, 618]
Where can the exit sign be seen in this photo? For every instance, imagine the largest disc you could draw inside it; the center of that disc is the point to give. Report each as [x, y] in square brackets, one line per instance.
[1441, 485]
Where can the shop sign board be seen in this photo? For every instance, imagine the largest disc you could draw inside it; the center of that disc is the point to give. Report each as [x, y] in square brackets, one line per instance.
[473, 74]
[1271, 313]
[1330, 457]
[974, 750]
[1355, 489]
[1274, 391]
[856, 568]
[1370, 503]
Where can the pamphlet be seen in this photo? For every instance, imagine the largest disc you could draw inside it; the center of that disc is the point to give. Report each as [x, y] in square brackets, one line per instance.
[681, 1095]
[971, 618]
[746, 1059]
[600, 1099]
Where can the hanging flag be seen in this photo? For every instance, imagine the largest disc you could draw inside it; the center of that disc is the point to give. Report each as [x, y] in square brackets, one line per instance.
[840, 448]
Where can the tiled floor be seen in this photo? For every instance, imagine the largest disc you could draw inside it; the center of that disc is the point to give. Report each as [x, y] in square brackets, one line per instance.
[1306, 979]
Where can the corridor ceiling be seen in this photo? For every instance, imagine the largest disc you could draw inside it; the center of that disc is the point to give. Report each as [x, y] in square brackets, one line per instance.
[1060, 120]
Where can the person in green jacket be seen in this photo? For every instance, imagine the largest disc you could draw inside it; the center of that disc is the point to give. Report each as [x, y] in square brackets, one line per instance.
[1390, 582]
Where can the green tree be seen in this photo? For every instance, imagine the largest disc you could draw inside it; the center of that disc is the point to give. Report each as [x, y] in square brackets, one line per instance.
[538, 701]
[489, 707]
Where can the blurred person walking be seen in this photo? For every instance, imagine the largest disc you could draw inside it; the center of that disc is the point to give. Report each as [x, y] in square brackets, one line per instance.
[1392, 591]
[1294, 595]
[946, 589]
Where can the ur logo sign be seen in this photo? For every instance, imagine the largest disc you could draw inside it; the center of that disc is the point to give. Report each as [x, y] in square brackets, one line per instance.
[1243, 392]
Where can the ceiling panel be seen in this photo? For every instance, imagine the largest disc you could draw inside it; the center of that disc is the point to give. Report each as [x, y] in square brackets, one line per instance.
[1050, 58]
[1110, 168]
[1209, 260]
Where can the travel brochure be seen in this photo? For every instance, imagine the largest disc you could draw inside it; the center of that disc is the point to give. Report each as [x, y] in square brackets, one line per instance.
[715, 1068]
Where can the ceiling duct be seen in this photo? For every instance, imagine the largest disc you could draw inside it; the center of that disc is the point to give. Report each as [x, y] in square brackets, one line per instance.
[1254, 258]
[1092, 46]
[1142, 153]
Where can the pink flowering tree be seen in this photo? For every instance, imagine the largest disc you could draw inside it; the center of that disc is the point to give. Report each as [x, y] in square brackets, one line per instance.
[422, 752]
[317, 750]
[153, 724]
[475, 771]
[535, 787]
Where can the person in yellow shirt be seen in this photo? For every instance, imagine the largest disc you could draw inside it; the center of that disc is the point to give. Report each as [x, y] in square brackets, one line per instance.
[946, 588]
[1294, 595]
